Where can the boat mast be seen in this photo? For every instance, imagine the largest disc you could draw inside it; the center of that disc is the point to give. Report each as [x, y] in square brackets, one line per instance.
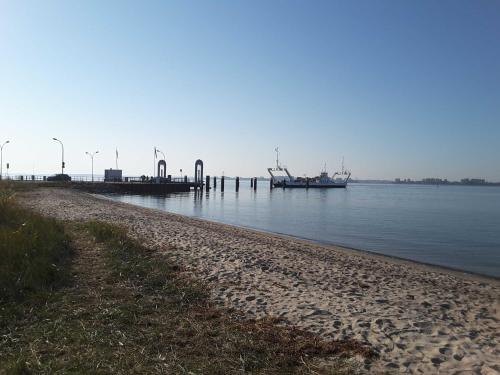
[277, 149]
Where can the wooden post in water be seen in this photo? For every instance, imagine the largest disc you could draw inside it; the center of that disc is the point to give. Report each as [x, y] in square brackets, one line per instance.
[251, 182]
[215, 182]
[271, 184]
[237, 184]
[222, 184]
[207, 183]
[255, 183]
[307, 183]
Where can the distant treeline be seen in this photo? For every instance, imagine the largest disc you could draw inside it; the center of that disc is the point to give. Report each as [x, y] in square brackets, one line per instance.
[436, 181]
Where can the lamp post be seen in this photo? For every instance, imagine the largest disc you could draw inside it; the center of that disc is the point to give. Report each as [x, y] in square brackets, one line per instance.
[62, 155]
[161, 152]
[1, 158]
[92, 157]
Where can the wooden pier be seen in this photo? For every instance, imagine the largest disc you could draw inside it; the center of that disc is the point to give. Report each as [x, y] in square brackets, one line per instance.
[137, 188]
[160, 185]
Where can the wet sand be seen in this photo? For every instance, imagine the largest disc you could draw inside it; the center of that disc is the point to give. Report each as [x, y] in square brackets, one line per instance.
[421, 319]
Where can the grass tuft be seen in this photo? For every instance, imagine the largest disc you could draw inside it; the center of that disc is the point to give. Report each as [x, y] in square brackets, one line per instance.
[140, 266]
[33, 251]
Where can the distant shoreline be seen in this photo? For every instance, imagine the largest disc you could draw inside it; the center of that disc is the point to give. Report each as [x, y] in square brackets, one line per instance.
[447, 183]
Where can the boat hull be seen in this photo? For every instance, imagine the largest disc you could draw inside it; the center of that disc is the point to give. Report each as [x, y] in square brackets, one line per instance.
[340, 185]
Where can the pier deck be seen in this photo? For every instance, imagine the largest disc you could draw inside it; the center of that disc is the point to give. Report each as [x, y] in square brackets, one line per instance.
[135, 187]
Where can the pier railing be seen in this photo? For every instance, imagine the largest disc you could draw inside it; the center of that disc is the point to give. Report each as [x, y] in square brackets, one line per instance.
[80, 178]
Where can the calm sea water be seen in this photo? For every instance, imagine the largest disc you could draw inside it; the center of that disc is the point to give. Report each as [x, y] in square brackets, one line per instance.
[452, 226]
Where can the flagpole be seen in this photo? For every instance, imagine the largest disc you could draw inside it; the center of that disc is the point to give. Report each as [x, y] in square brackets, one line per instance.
[154, 162]
[116, 159]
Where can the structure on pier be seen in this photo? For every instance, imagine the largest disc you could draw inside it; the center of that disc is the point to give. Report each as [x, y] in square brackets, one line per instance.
[112, 175]
[162, 169]
[198, 173]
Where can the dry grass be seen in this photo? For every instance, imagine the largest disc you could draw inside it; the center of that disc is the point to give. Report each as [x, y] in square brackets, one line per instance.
[33, 251]
[130, 310]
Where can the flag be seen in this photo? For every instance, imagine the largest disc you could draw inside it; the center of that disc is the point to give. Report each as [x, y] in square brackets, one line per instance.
[117, 153]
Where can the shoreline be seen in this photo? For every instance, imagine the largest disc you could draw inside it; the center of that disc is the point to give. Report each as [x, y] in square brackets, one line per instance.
[398, 260]
[333, 246]
[420, 319]
[368, 253]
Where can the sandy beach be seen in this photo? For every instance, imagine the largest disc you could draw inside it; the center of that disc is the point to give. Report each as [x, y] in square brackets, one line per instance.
[421, 320]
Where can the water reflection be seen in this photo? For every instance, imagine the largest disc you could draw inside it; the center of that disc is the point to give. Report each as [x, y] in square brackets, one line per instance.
[451, 226]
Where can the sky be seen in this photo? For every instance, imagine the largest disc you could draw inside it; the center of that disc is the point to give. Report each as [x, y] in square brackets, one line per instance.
[405, 89]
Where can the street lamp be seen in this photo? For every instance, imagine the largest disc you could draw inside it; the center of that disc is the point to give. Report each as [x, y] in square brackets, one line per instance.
[62, 157]
[1, 158]
[161, 152]
[92, 157]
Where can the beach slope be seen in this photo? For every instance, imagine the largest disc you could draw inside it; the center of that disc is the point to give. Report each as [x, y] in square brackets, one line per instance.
[420, 319]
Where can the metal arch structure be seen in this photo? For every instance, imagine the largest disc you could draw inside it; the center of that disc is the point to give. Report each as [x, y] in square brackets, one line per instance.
[278, 168]
[162, 169]
[198, 172]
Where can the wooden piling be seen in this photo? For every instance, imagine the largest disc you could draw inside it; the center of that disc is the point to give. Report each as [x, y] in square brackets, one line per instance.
[237, 184]
[271, 184]
[207, 184]
[222, 184]
[251, 182]
[255, 183]
[215, 182]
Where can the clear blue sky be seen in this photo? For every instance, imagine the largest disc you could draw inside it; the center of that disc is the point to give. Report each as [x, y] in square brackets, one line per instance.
[400, 88]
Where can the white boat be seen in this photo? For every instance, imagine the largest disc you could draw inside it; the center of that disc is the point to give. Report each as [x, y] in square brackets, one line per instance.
[281, 177]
